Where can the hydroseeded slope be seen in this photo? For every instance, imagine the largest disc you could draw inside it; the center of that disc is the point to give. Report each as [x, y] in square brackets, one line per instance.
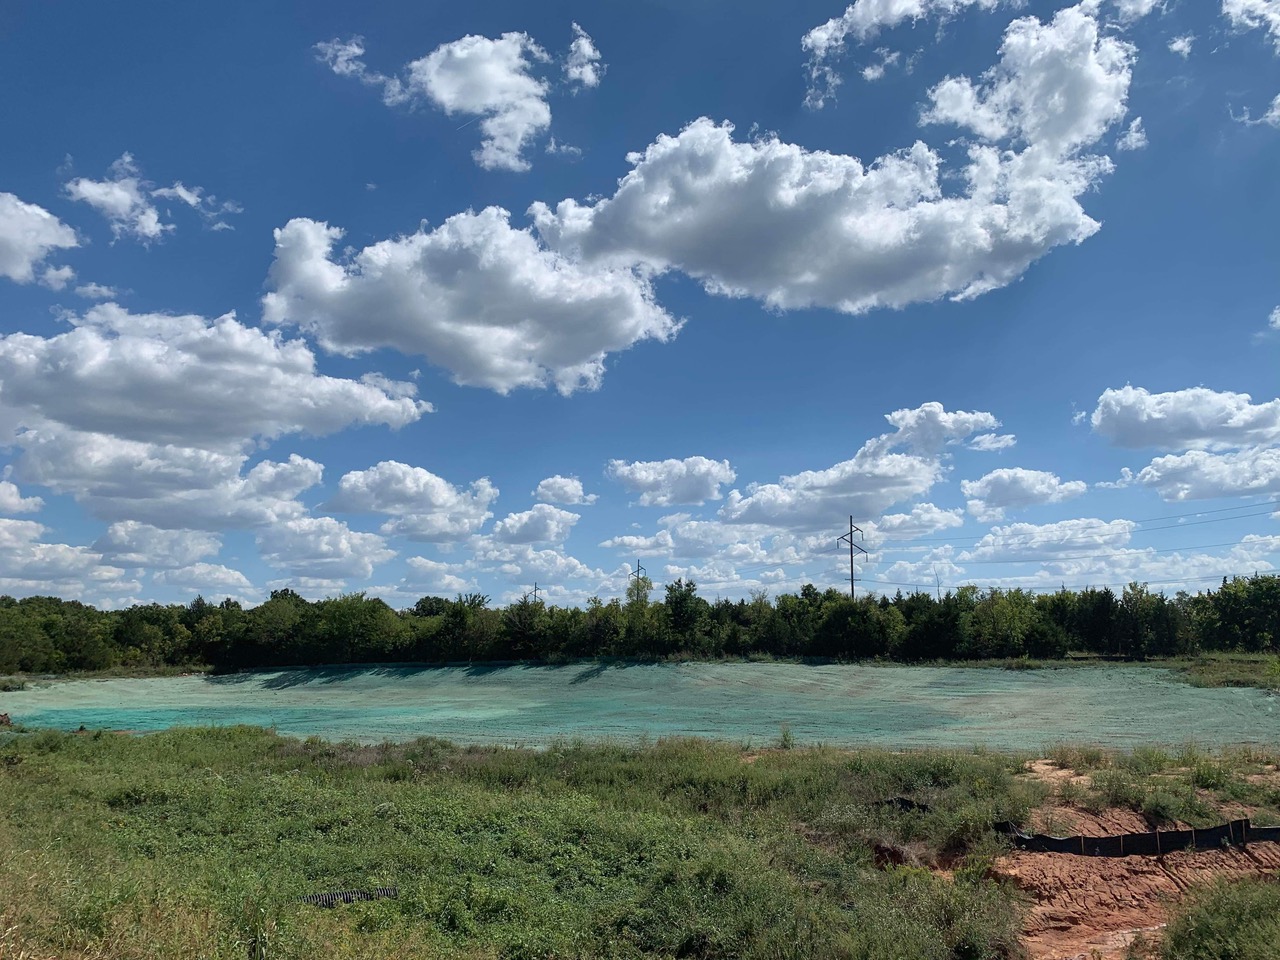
[530, 705]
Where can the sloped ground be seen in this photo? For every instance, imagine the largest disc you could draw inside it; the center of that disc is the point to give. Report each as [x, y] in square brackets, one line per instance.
[1085, 904]
[1093, 908]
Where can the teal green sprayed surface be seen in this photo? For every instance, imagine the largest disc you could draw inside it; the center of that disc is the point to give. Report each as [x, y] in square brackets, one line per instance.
[532, 705]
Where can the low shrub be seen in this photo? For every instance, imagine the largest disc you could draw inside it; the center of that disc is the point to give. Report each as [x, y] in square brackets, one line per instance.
[1228, 921]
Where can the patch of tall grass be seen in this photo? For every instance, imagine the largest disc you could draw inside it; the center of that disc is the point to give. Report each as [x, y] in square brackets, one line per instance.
[201, 842]
[1228, 921]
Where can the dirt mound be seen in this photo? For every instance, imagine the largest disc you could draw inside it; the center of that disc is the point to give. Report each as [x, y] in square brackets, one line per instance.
[1075, 822]
[1087, 905]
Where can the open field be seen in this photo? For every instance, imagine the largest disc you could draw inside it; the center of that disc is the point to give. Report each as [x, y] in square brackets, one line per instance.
[198, 843]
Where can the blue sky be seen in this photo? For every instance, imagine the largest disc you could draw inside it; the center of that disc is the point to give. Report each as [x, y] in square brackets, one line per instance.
[426, 298]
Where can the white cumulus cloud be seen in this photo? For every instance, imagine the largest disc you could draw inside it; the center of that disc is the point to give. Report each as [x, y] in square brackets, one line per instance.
[1134, 138]
[424, 507]
[583, 65]
[133, 544]
[124, 198]
[492, 79]
[28, 234]
[1182, 45]
[892, 468]
[665, 483]
[29, 564]
[542, 523]
[127, 200]
[1202, 475]
[475, 296]
[322, 548]
[205, 577]
[96, 291]
[799, 228]
[435, 576]
[993, 442]
[1194, 418]
[990, 496]
[12, 501]
[163, 485]
[565, 490]
[1131, 10]
[182, 380]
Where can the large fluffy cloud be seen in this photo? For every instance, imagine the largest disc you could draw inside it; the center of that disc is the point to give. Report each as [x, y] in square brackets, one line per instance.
[1194, 418]
[475, 296]
[1057, 88]
[990, 496]
[798, 228]
[322, 548]
[183, 380]
[665, 483]
[1201, 475]
[166, 486]
[542, 523]
[892, 468]
[1030, 541]
[205, 577]
[134, 544]
[524, 563]
[28, 234]
[29, 564]
[423, 506]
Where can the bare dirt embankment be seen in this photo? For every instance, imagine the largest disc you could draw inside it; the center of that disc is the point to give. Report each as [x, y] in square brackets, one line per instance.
[1083, 905]
[1092, 908]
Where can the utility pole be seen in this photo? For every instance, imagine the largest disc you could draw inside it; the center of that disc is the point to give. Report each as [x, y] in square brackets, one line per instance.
[853, 545]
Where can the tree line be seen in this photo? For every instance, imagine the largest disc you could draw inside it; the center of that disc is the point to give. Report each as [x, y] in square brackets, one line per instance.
[50, 635]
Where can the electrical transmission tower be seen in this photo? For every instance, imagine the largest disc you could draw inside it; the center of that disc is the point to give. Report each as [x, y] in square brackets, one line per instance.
[638, 574]
[853, 545]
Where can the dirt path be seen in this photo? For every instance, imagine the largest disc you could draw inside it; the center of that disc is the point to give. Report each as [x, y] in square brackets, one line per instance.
[1083, 905]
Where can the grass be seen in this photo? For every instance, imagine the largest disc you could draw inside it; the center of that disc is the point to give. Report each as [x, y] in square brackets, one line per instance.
[1228, 670]
[1227, 921]
[1190, 785]
[199, 843]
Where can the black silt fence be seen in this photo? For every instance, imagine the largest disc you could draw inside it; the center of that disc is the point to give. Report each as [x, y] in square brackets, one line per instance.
[348, 896]
[1155, 843]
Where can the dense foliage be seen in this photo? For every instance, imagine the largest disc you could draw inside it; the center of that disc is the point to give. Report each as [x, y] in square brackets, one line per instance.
[48, 635]
[1228, 921]
[199, 843]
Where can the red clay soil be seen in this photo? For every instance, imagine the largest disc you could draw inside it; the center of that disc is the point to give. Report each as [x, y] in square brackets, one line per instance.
[1074, 822]
[1091, 908]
